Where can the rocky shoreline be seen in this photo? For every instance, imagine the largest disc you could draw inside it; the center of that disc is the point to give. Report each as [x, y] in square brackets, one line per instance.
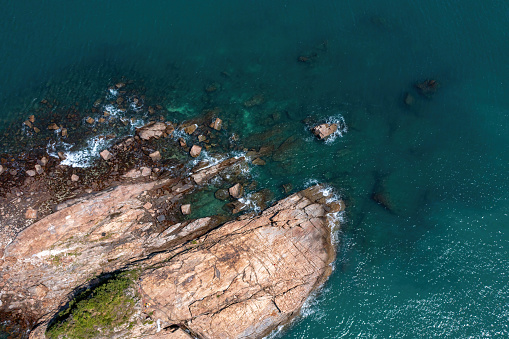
[66, 229]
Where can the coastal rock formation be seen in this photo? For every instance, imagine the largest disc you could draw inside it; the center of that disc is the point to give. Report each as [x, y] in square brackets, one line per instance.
[248, 276]
[241, 279]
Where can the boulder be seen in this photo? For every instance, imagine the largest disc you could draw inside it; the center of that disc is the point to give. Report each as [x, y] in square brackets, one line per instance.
[106, 155]
[190, 129]
[324, 130]
[155, 130]
[222, 194]
[31, 213]
[39, 169]
[156, 156]
[236, 191]
[195, 151]
[217, 124]
[185, 209]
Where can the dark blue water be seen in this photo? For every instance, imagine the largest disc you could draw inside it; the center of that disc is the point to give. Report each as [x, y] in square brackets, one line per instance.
[437, 263]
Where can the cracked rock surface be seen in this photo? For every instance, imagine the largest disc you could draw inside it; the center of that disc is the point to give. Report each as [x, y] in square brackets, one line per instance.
[200, 278]
[247, 277]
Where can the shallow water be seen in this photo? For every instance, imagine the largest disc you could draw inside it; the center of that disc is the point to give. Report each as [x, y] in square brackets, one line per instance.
[436, 265]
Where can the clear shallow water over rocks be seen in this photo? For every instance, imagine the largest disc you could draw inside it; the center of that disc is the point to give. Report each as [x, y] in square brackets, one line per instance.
[424, 252]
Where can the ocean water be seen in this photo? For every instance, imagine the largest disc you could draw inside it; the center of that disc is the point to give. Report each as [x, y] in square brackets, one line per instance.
[436, 263]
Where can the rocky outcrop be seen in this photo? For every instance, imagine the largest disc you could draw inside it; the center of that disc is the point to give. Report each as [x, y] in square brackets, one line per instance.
[324, 130]
[239, 279]
[248, 276]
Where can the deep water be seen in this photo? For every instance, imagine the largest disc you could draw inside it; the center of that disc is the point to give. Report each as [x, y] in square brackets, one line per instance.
[433, 265]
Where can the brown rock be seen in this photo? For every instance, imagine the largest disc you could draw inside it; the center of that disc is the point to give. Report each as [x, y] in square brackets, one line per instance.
[31, 118]
[36, 130]
[258, 162]
[147, 206]
[201, 138]
[90, 120]
[64, 132]
[119, 85]
[28, 123]
[44, 161]
[185, 209]
[222, 194]
[39, 169]
[75, 178]
[1, 169]
[120, 100]
[31, 213]
[195, 151]
[31, 173]
[182, 142]
[217, 124]
[106, 155]
[324, 130]
[190, 129]
[146, 171]
[61, 155]
[236, 191]
[156, 156]
[53, 126]
[101, 120]
[155, 130]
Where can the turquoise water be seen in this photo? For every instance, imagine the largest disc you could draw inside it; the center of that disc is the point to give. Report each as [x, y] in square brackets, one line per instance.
[437, 263]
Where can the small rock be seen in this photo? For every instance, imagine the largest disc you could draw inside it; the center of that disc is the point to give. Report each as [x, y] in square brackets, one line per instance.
[120, 85]
[222, 194]
[31, 173]
[161, 218]
[324, 130]
[156, 156]
[31, 213]
[31, 118]
[146, 171]
[53, 126]
[182, 142]
[106, 155]
[147, 206]
[13, 172]
[38, 169]
[201, 138]
[190, 129]
[217, 124]
[27, 123]
[61, 155]
[1, 169]
[155, 130]
[236, 191]
[101, 120]
[195, 151]
[44, 161]
[36, 130]
[186, 209]
[64, 132]
[258, 162]
[75, 178]
[90, 120]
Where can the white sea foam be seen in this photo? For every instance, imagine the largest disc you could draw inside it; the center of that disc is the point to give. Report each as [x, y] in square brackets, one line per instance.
[112, 110]
[81, 157]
